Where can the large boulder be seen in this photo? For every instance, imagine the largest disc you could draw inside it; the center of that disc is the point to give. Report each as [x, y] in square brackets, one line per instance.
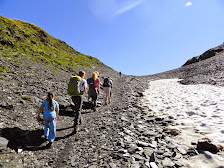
[207, 145]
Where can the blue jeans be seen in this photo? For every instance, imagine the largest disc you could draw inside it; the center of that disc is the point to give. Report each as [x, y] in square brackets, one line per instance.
[50, 126]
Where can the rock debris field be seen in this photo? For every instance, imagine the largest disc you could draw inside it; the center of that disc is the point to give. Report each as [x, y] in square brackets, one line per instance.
[132, 131]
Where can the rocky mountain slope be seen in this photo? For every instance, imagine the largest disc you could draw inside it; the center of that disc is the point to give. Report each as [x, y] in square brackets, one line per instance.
[110, 137]
[124, 133]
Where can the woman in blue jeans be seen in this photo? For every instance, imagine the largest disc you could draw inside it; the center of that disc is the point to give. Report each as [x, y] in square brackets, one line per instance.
[50, 114]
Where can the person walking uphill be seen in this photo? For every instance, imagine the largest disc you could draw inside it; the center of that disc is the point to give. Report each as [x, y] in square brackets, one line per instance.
[94, 88]
[51, 112]
[107, 85]
[97, 82]
[76, 88]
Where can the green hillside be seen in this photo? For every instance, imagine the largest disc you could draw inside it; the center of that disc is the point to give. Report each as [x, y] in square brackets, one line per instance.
[21, 39]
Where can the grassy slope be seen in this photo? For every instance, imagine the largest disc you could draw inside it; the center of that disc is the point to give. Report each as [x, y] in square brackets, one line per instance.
[19, 38]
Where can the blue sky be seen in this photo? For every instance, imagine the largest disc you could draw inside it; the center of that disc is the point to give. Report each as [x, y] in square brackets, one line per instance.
[136, 37]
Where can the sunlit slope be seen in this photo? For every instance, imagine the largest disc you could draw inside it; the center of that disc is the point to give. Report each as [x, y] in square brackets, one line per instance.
[21, 39]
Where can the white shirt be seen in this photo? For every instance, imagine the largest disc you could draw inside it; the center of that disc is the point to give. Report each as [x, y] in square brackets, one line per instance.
[83, 84]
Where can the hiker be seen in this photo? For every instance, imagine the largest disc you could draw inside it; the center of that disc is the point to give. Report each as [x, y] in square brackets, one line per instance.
[93, 91]
[51, 112]
[97, 82]
[76, 89]
[107, 85]
[120, 74]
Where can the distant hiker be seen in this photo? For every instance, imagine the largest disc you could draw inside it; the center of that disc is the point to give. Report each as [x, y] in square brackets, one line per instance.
[76, 88]
[120, 74]
[51, 112]
[107, 85]
[93, 91]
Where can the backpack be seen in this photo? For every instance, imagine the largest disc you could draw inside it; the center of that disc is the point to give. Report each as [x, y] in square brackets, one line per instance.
[106, 82]
[90, 82]
[73, 85]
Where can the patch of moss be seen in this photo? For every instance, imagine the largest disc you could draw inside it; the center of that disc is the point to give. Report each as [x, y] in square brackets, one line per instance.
[26, 97]
[3, 68]
[19, 94]
[8, 57]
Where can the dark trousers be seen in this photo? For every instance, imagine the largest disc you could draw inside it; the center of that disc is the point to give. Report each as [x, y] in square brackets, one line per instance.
[93, 94]
[93, 102]
[77, 100]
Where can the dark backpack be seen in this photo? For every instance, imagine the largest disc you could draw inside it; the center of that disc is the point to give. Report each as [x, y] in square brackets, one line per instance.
[106, 82]
[90, 82]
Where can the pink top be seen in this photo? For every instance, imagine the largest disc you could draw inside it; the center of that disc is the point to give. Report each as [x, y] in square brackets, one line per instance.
[97, 83]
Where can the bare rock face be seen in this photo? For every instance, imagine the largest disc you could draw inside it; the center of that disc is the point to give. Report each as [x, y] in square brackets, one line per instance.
[191, 61]
[208, 54]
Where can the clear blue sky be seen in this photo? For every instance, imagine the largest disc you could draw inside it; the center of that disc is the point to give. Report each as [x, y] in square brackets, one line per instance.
[136, 37]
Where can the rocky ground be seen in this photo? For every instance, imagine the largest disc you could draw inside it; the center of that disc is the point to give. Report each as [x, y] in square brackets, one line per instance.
[124, 133]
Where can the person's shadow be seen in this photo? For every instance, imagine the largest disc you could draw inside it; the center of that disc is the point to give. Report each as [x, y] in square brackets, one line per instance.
[24, 139]
[33, 140]
[28, 140]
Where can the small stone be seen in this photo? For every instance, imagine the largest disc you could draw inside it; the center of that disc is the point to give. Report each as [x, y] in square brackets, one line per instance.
[153, 165]
[73, 165]
[20, 150]
[182, 151]
[3, 143]
[167, 163]
[112, 165]
[174, 132]
[142, 144]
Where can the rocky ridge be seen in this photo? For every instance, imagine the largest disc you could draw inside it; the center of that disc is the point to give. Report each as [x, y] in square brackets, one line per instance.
[208, 54]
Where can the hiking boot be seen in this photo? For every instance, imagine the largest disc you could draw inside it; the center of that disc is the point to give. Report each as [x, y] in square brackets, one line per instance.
[49, 144]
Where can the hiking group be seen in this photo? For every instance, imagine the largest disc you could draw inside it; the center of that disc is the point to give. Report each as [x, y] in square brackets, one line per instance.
[76, 89]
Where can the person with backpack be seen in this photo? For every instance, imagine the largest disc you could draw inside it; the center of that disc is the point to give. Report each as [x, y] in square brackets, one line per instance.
[76, 88]
[93, 91]
[51, 112]
[97, 82]
[107, 85]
